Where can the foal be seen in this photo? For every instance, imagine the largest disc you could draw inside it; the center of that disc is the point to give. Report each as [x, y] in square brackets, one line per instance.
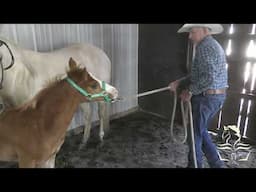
[33, 133]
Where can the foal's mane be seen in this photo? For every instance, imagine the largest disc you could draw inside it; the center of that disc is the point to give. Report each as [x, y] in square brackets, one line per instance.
[69, 72]
[74, 72]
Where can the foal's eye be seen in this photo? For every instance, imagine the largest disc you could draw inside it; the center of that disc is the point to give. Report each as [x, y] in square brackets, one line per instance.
[94, 86]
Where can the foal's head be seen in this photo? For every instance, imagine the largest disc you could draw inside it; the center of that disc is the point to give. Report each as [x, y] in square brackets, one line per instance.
[82, 81]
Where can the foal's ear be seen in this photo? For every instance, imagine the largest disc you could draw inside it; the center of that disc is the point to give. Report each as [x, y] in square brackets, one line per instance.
[85, 72]
[72, 63]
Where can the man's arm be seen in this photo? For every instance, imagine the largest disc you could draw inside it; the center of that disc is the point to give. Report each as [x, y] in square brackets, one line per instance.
[180, 83]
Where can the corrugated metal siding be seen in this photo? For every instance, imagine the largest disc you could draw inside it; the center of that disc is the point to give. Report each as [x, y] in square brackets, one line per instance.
[119, 41]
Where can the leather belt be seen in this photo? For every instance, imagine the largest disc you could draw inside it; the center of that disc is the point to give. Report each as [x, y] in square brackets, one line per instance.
[214, 91]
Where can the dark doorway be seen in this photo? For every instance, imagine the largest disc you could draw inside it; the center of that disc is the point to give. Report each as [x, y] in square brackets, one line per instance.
[162, 59]
[239, 109]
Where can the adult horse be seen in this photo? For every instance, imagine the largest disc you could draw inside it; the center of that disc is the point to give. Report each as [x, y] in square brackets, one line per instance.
[29, 70]
[34, 132]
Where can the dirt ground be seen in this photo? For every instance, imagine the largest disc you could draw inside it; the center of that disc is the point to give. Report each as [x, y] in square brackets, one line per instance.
[138, 140]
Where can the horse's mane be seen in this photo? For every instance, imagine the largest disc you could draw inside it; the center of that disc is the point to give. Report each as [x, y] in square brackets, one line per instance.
[51, 82]
[49, 85]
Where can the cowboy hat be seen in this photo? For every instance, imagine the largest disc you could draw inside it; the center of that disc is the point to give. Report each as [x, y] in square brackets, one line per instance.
[214, 28]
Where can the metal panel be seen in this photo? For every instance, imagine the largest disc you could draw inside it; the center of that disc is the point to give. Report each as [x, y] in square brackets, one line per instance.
[119, 41]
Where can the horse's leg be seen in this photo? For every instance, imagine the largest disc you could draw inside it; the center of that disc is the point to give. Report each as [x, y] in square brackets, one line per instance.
[2, 104]
[50, 163]
[87, 124]
[104, 119]
[26, 162]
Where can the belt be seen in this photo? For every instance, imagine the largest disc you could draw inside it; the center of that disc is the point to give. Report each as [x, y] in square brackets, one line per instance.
[214, 91]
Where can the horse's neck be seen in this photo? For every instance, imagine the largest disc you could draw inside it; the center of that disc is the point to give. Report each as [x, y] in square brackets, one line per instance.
[58, 104]
[62, 96]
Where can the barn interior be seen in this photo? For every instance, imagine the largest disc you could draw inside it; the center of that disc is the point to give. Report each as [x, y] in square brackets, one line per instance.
[146, 57]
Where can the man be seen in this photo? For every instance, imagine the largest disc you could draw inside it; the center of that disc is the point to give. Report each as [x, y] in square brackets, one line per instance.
[206, 87]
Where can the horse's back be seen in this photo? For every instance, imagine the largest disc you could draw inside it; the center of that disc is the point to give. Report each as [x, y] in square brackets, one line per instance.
[93, 58]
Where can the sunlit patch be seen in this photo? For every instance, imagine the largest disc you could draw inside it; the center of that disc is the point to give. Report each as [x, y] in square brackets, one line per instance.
[231, 29]
[229, 49]
[251, 50]
[247, 117]
[253, 29]
[247, 72]
[253, 77]
[232, 149]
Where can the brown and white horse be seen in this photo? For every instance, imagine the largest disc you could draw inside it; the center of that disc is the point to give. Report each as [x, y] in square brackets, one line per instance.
[31, 69]
[33, 133]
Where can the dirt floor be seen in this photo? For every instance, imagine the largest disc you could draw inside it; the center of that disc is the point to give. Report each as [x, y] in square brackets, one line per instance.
[138, 140]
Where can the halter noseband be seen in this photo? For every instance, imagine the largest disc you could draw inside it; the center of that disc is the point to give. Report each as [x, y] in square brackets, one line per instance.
[88, 95]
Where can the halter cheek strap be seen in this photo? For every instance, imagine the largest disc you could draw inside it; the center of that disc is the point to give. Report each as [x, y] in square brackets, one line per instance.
[88, 95]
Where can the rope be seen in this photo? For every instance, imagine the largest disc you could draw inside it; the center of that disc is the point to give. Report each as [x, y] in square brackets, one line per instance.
[183, 121]
[8, 67]
[172, 117]
[142, 94]
[189, 110]
[12, 62]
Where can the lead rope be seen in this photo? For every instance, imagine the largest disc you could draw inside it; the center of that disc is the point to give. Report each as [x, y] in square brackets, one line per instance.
[172, 117]
[1, 63]
[184, 115]
[142, 94]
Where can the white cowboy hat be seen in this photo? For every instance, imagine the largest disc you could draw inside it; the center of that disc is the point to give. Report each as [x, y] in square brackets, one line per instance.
[214, 28]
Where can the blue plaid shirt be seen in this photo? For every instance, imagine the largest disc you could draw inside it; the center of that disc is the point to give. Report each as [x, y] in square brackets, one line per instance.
[208, 70]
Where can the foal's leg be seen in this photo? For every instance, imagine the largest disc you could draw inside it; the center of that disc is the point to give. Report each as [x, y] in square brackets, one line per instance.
[50, 163]
[87, 124]
[26, 162]
[104, 118]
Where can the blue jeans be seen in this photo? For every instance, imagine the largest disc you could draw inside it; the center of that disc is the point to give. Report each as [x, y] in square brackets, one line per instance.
[204, 108]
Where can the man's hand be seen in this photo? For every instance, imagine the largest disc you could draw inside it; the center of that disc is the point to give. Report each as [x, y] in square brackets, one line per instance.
[173, 85]
[185, 95]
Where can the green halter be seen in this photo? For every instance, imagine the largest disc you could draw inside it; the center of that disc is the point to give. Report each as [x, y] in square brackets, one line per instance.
[88, 95]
